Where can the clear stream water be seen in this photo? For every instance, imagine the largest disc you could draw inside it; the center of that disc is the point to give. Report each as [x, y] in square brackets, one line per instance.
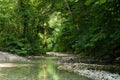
[41, 69]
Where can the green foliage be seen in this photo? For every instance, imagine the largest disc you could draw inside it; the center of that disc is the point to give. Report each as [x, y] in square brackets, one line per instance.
[90, 27]
[20, 24]
[21, 46]
[16, 46]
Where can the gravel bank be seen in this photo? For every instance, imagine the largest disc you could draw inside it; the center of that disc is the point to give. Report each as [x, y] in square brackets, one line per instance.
[88, 70]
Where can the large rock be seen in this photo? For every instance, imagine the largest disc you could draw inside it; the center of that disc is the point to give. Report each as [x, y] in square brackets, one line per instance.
[7, 57]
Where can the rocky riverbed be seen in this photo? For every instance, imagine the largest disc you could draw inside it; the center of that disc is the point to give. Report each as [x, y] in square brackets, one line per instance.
[93, 71]
[90, 73]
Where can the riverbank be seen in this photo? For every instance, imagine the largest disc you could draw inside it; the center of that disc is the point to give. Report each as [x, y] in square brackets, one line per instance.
[8, 57]
[87, 67]
[93, 71]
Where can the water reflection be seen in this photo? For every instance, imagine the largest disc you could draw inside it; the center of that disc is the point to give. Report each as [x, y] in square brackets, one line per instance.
[48, 71]
[43, 69]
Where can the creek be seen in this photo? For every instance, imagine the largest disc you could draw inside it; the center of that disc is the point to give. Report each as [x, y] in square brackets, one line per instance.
[37, 69]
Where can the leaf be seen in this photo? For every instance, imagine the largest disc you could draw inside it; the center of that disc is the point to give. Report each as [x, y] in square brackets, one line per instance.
[88, 2]
[102, 1]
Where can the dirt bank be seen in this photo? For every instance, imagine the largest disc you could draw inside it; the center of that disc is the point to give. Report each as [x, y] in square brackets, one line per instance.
[7, 57]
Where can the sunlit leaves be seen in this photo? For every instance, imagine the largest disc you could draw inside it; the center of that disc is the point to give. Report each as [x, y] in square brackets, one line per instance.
[55, 19]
